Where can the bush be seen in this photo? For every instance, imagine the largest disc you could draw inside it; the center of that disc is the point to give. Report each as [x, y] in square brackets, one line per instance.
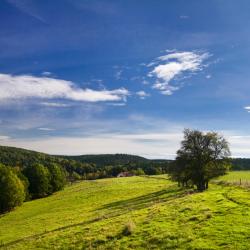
[12, 191]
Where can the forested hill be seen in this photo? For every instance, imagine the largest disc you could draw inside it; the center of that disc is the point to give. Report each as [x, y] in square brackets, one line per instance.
[12, 156]
[241, 164]
[85, 166]
[108, 159]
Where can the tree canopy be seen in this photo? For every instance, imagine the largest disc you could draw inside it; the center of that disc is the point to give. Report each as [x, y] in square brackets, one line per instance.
[12, 191]
[202, 156]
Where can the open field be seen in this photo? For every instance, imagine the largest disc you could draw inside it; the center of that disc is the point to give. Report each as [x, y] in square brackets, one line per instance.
[237, 178]
[131, 213]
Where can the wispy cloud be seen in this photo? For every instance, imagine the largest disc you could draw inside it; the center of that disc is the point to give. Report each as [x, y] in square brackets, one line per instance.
[55, 104]
[247, 108]
[27, 86]
[46, 73]
[118, 74]
[46, 129]
[4, 137]
[28, 8]
[117, 104]
[142, 94]
[169, 67]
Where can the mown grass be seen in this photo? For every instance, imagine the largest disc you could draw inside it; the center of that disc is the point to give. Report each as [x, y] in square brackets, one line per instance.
[131, 213]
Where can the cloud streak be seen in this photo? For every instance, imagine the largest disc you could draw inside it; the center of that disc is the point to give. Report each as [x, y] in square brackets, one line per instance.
[142, 94]
[169, 67]
[26, 86]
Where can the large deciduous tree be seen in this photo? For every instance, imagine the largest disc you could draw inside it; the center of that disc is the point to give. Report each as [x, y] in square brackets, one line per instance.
[202, 156]
[12, 192]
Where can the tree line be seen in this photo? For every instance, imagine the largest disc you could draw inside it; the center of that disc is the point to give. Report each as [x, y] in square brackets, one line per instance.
[35, 181]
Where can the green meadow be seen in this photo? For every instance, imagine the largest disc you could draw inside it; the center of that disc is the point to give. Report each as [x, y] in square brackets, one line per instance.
[237, 178]
[132, 213]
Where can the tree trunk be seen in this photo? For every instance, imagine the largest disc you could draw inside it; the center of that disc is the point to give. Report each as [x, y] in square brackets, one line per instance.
[201, 186]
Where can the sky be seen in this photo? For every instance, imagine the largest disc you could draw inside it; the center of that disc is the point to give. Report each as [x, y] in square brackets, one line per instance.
[123, 76]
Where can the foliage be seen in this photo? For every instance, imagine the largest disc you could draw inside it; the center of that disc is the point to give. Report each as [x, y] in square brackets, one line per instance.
[240, 164]
[202, 156]
[84, 166]
[57, 177]
[12, 191]
[39, 180]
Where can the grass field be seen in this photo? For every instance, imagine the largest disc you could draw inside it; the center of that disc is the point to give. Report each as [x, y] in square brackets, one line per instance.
[237, 178]
[131, 213]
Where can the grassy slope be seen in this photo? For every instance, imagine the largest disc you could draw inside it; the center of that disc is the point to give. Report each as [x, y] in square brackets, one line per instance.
[92, 215]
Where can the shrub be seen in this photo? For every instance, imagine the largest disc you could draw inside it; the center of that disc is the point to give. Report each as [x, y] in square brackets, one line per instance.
[12, 191]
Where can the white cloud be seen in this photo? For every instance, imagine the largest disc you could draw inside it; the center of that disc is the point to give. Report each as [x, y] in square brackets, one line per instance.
[55, 104]
[118, 75]
[208, 76]
[46, 73]
[4, 137]
[247, 108]
[171, 66]
[117, 104]
[142, 94]
[27, 86]
[46, 129]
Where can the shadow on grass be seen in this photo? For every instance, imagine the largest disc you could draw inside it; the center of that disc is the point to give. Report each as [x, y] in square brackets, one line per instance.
[147, 200]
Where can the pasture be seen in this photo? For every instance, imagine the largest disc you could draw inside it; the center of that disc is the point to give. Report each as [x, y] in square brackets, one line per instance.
[132, 213]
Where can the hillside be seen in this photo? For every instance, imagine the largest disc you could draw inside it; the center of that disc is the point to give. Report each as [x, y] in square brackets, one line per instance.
[12, 156]
[100, 215]
[108, 159]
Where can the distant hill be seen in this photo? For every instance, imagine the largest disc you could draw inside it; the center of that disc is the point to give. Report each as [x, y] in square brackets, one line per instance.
[12, 156]
[84, 166]
[241, 164]
[108, 159]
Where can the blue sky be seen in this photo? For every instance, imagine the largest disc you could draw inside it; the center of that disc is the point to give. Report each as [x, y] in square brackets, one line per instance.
[80, 77]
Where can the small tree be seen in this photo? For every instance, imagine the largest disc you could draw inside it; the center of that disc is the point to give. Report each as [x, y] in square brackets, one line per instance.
[12, 191]
[39, 180]
[57, 178]
[202, 156]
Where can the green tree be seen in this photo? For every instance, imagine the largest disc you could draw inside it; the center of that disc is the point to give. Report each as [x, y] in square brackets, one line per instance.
[57, 177]
[202, 156]
[12, 191]
[39, 180]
